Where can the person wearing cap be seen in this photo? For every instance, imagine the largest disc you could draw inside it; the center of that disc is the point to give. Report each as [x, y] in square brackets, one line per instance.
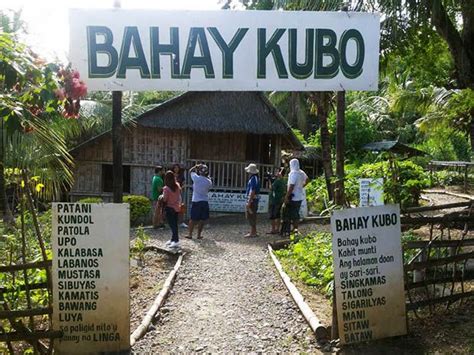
[297, 180]
[253, 189]
[200, 199]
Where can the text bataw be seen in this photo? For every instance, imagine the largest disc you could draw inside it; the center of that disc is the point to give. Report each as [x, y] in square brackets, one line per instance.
[377, 221]
[325, 53]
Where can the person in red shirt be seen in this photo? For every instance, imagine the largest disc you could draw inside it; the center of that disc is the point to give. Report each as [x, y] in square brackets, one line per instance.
[172, 202]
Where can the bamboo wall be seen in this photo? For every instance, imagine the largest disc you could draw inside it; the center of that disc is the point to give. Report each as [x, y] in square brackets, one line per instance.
[144, 148]
[222, 146]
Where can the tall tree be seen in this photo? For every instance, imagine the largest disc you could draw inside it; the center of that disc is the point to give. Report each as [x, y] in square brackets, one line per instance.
[453, 20]
[29, 102]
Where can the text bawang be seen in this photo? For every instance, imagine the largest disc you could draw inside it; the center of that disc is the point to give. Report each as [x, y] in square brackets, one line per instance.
[325, 54]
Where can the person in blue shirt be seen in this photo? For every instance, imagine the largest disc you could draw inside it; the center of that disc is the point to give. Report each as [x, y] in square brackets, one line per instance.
[252, 195]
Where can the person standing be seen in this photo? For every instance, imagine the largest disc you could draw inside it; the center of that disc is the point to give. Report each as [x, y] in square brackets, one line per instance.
[277, 196]
[179, 176]
[172, 201]
[200, 199]
[297, 180]
[156, 190]
[252, 194]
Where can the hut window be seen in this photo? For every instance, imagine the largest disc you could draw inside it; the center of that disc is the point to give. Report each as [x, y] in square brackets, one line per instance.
[108, 178]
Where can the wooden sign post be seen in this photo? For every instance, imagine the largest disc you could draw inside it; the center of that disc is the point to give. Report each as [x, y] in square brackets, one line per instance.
[91, 277]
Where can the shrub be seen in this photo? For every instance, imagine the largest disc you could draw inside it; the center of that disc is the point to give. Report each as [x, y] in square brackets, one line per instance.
[310, 260]
[445, 143]
[449, 178]
[403, 181]
[138, 250]
[91, 200]
[317, 195]
[140, 207]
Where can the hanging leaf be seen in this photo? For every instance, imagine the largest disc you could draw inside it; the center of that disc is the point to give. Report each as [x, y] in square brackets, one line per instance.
[39, 187]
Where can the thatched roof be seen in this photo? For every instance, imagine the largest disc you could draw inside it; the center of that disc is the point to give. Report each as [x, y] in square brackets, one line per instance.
[394, 147]
[218, 111]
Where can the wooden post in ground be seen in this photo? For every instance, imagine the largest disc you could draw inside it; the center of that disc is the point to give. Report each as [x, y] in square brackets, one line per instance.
[117, 146]
[117, 139]
[466, 178]
[334, 326]
[340, 147]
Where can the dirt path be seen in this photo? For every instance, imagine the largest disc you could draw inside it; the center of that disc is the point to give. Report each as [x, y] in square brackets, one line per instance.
[227, 298]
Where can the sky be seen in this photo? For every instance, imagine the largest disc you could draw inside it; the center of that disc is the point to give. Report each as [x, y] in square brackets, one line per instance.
[47, 20]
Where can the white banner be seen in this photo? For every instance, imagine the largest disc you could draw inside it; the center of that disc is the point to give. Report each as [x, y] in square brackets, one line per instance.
[234, 202]
[91, 277]
[368, 273]
[120, 49]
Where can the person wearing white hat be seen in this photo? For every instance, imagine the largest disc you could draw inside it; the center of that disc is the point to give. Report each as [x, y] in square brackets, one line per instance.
[252, 192]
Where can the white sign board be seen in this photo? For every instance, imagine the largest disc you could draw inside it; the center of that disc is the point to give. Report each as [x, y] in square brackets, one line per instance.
[234, 202]
[370, 192]
[123, 49]
[368, 273]
[91, 277]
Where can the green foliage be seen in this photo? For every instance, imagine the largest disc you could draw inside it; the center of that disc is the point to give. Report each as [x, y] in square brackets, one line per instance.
[310, 260]
[11, 244]
[317, 196]
[446, 143]
[450, 178]
[409, 236]
[141, 239]
[425, 59]
[359, 130]
[299, 135]
[140, 207]
[91, 200]
[403, 181]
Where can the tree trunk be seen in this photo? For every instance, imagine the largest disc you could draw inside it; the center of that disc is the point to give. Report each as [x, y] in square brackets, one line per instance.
[291, 115]
[458, 43]
[301, 117]
[340, 147]
[322, 100]
[117, 146]
[472, 133]
[5, 210]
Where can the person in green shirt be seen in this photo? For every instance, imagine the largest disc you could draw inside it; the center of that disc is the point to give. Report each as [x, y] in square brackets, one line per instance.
[156, 190]
[276, 198]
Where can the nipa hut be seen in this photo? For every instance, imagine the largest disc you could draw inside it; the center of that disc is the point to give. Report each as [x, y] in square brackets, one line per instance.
[225, 130]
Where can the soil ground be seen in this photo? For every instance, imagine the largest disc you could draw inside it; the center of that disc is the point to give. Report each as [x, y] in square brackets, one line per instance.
[146, 281]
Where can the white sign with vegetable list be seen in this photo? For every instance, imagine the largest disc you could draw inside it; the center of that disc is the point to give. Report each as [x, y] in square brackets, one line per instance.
[368, 273]
[91, 277]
